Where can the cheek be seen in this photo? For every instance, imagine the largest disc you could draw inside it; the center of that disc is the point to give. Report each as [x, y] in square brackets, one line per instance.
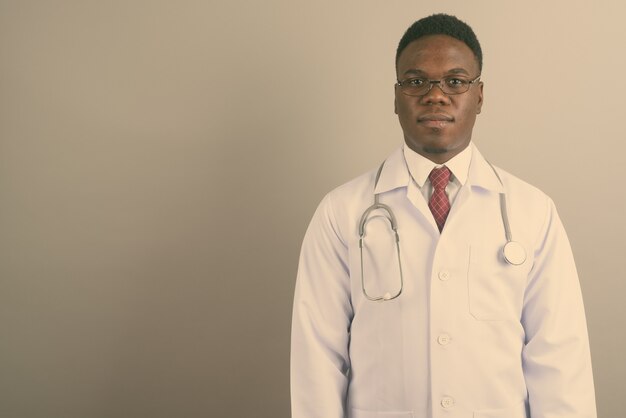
[404, 109]
[474, 105]
[469, 111]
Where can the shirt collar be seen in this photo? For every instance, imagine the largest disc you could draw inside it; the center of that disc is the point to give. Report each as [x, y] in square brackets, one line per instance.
[478, 173]
[420, 167]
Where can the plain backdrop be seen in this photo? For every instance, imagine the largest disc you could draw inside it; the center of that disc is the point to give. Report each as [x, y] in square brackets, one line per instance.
[160, 162]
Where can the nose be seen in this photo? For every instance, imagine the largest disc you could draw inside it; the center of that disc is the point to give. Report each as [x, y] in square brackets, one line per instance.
[435, 95]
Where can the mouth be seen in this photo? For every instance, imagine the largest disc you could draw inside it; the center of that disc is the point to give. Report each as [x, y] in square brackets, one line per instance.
[435, 120]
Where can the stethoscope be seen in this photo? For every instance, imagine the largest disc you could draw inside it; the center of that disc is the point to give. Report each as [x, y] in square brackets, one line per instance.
[512, 251]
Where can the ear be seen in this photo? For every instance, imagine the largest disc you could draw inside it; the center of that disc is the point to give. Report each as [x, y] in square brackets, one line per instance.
[395, 99]
[479, 105]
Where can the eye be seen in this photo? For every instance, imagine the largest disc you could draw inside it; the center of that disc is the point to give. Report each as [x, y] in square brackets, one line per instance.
[455, 82]
[415, 82]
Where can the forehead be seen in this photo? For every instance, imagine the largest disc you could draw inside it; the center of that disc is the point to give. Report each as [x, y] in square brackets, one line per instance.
[436, 54]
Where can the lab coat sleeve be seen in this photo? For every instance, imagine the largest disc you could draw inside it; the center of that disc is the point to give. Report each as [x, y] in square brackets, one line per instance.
[322, 314]
[556, 357]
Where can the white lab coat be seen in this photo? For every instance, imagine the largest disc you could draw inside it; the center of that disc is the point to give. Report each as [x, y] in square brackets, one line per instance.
[469, 337]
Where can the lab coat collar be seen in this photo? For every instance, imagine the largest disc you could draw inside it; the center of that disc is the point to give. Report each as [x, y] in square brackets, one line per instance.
[396, 173]
[420, 167]
[481, 173]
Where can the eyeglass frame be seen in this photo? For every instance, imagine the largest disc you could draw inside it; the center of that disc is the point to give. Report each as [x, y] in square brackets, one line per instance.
[431, 83]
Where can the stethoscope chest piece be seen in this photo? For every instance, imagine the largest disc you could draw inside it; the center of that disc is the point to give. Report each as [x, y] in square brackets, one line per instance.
[514, 253]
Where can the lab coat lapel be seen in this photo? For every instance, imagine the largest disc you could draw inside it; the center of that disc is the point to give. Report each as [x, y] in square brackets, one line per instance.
[460, 201]
[416, 197]
[396, 174]
[480, 176]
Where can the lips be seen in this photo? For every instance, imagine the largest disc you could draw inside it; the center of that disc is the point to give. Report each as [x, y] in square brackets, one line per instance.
[435, 117]
[435, 120]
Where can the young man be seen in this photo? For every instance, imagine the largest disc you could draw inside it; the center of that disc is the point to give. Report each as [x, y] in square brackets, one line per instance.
[456, 294]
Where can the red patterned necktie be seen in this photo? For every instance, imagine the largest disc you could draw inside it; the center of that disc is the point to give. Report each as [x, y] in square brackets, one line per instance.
[439, 204]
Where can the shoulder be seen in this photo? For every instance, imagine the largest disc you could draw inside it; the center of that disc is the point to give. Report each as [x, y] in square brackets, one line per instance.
[516, 189]
[516, 186]
[353, 189]
[345, 200]
[341, 207]
[390, 174]
[529, 206]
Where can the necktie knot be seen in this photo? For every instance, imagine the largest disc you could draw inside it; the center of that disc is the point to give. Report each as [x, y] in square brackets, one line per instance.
[439, 177]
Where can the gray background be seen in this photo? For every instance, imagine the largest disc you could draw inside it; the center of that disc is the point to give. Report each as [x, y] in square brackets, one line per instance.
[160, 161]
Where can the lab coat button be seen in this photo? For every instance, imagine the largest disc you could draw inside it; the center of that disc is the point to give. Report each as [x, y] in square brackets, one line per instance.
[443, 339]
[447, 402]
[444, 275]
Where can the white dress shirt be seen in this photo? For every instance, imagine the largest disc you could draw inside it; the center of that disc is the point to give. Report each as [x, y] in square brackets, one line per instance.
[420, 168]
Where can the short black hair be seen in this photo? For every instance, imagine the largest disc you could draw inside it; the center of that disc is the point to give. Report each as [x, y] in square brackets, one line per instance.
[442, 24]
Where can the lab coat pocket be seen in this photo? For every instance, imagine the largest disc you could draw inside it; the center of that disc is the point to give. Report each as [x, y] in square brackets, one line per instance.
[517, 411]
[360, 413]
[495, 288]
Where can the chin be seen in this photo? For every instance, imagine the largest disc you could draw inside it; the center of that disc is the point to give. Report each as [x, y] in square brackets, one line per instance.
[435, 150]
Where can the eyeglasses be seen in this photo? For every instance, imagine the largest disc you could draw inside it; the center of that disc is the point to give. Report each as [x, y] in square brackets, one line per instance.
[421, 86]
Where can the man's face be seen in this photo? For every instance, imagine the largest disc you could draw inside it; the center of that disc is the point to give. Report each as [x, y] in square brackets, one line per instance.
[436, 125]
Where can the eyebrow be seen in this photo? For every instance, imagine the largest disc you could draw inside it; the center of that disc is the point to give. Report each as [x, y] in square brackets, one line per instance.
[417, 71]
